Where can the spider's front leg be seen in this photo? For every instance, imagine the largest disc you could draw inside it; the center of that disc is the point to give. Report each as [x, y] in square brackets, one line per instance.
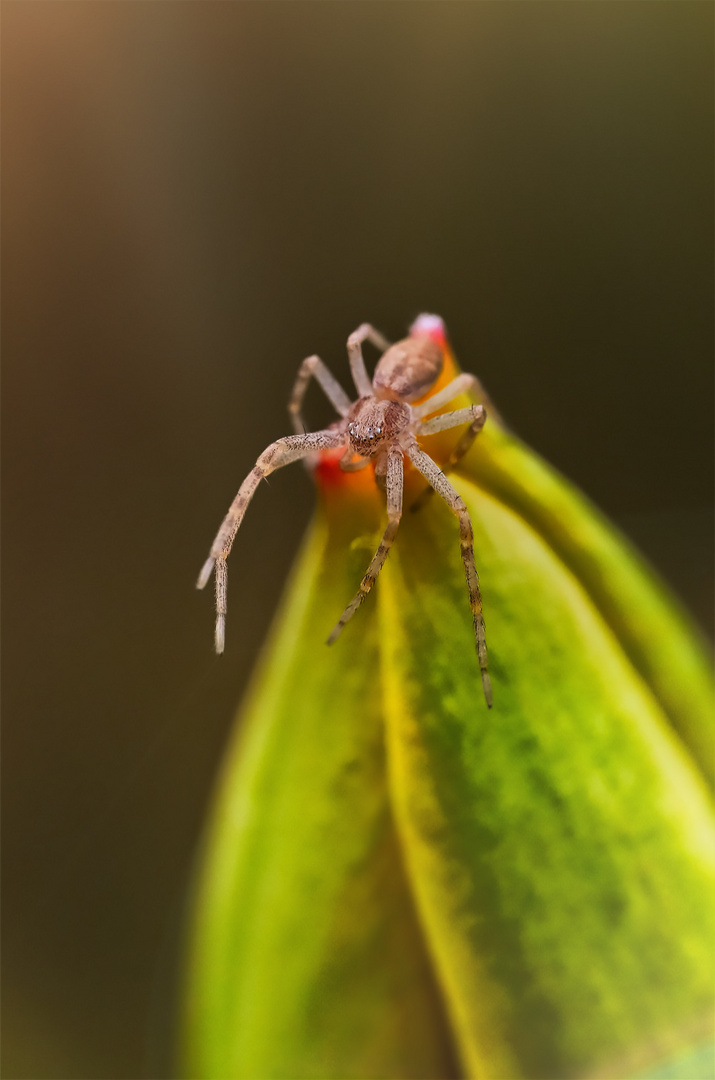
[394, 513]
[432, 472]
[280, 453]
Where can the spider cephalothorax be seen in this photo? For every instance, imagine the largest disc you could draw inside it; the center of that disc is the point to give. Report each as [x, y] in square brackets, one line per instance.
[373, 423]
[383, 427]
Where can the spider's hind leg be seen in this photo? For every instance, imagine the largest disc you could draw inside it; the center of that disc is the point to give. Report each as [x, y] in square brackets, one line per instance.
[394, 513]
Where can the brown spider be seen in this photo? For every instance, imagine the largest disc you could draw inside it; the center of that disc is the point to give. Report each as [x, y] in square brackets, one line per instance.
[380, 427]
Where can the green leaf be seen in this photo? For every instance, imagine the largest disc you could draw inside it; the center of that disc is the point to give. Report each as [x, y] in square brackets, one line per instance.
[397, 882]
[307, 956]
[561, 848]
[651, 629]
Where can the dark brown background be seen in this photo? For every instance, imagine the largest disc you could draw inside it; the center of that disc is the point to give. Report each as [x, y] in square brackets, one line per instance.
[195, 196]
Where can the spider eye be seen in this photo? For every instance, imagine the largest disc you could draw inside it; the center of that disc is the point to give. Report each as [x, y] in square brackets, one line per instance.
[379, 430]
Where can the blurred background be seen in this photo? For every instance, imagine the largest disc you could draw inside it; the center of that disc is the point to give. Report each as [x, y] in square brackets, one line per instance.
[195, 197]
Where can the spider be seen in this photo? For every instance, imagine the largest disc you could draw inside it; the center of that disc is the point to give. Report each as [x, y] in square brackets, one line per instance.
[381, 427]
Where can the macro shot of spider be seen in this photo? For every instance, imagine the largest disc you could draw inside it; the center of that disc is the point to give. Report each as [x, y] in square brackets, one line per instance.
[380, 428]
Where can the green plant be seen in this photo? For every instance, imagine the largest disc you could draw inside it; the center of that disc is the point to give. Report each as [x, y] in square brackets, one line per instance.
[397, 882]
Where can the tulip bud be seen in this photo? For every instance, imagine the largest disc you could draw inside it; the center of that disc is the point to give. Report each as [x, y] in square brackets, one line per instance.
[398, 882]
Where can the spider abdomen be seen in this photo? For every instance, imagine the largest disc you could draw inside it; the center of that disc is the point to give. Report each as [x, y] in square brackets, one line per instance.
[408, 369]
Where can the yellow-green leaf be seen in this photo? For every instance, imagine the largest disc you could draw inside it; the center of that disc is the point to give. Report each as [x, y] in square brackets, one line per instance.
[307, 957]
[398, 882]
[561, 847]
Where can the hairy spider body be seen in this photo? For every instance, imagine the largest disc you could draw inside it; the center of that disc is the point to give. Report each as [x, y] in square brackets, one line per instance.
[373, 423]
[381, 428]
[407, 370]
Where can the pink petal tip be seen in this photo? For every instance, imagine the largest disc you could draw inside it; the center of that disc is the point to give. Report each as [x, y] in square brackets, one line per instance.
[431, 326]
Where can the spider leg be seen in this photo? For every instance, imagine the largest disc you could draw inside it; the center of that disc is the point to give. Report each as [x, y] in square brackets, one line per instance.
[431, 471]
[474, 415]
[394, 512]
[365, 332]
[477, 414]
[313, 366]
[464, 383]
[465, 442]
[280, 453]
